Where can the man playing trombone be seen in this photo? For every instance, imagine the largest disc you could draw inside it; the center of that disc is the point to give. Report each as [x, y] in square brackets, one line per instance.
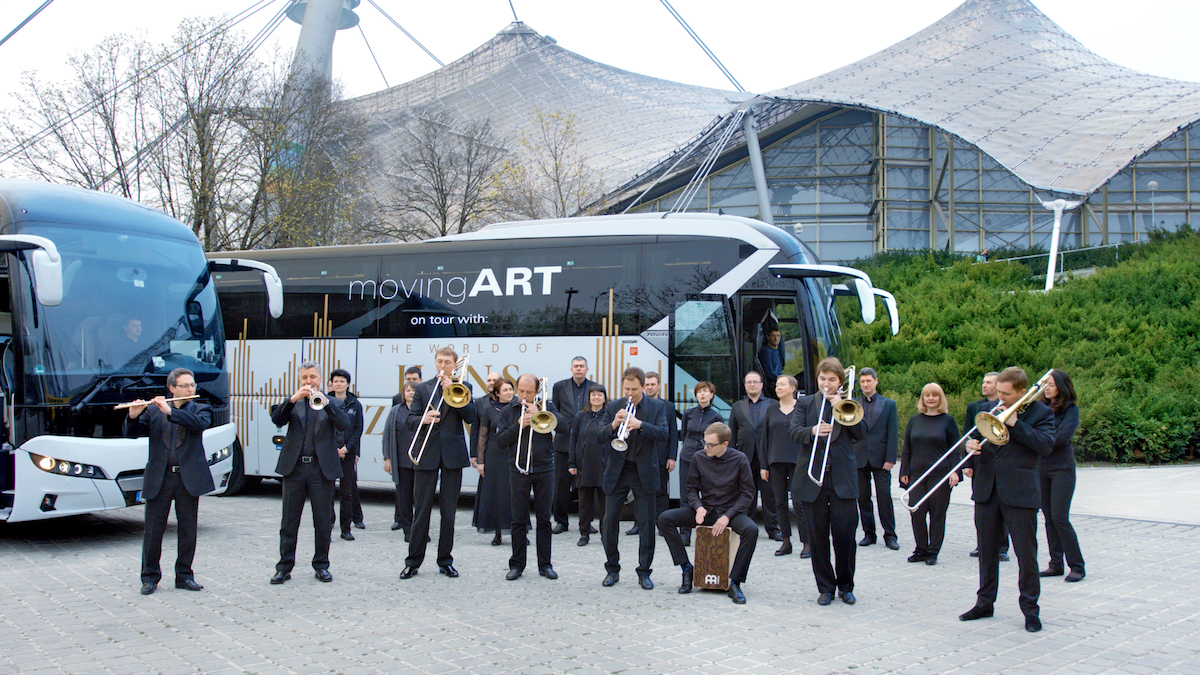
[526, 426]
[826, 480]
[1007, 494]
[439, 447]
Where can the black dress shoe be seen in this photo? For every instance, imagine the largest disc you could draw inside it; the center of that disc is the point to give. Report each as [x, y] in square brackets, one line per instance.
[592, 530]
[1075, 575]
[786, 549]
[686, 585]
[148, 588]
[448, 570]
[1033, 624]
[189, 585]
[1004, 557]
[976, 612]
[496, 540]
[548, 572]
[775, 535]
[931, 559]
[610, 579]
[975, 553]
[634, 530]
[645, 583]
[825, 599]
[806, 552]
[324, 575]
[408, 573]
[1051, 572]
[347, 536]
[867, 541]
[281, 577]
[848, 597]
[735, 594]
[559, 528]
[583, 540]
[891, 542]
[360, 524]
[407, 536]
[396, 525]
[514, 573]
[917, 556]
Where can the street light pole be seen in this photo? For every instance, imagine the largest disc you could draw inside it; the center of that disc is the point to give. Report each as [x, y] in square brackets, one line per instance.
[1153, 185]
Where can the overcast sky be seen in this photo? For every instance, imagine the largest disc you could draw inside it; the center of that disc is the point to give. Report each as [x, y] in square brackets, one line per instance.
[766, 44]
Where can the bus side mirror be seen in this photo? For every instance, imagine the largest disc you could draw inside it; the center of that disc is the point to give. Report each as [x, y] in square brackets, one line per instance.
[195, 318]
[271, 279]
[46, 264]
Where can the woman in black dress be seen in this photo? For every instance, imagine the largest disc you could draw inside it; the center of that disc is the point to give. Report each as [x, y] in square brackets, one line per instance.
[928, 435]
[396, 440]
[493, 505]
[1058, 479]
[778, 452]
[695, 421]
[586, 460]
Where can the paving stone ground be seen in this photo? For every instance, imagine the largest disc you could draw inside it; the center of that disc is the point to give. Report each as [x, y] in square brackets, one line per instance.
[71, 605]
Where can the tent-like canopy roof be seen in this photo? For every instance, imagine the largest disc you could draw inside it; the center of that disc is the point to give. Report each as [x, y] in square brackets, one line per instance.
[625, 121]
[1001, 75]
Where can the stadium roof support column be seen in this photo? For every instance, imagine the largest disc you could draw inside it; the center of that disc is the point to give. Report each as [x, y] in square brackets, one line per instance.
[319, 25]
[750, 129]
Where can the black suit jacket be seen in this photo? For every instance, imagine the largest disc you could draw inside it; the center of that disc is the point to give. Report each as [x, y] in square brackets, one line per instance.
[878, 446]
[330, 420]
[842, 474]
[563, 397]
[1011, 470]
[745, 437]
[510, 432]
[193, 466]
[352, 437]
[642, 443]
[447, 445]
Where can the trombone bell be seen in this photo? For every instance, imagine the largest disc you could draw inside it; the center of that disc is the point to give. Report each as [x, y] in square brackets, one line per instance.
[456, 395]
[848, 412]
[543, 422]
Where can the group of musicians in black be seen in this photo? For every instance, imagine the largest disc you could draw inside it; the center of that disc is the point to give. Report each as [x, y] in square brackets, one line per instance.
[609, 449]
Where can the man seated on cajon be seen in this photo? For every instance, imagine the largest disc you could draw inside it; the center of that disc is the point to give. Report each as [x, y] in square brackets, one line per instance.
[720, 488]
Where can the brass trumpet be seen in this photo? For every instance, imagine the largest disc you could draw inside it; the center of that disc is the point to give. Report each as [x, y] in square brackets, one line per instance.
[317, 400]
[847, 413]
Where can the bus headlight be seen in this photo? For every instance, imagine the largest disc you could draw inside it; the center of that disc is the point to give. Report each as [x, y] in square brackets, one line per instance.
[63, 467]
[220, 455]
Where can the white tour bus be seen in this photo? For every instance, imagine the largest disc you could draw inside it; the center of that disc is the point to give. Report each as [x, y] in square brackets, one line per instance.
[689, 296]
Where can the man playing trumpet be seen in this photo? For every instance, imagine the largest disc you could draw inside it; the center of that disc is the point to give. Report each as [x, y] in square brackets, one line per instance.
[176, 471]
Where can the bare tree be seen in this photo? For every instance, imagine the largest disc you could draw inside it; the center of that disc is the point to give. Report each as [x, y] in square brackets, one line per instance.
[550, 177]
[446, 180]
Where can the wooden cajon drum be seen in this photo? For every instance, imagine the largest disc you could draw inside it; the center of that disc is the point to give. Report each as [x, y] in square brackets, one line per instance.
[714, 558]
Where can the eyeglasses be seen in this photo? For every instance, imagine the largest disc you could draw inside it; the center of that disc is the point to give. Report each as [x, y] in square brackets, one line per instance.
[189, 385]
[710, 446]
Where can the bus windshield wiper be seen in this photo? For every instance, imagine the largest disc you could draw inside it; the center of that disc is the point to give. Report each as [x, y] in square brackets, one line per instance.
[86, 400]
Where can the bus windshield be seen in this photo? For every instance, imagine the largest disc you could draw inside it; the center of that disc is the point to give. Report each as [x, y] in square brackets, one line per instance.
[134, 305]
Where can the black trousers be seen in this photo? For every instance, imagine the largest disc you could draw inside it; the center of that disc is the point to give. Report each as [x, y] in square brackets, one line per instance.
[157, 510]
[404, 497]
[762, 487]
[643, 503]
[929, 521]
[662, 500]
[883, 495]
[780, 479]
[1058, 487]
[685, 517]
[543, 487]
[591, 501]
[562, 486]
[306, 482]
[347, 492]
[991, 520]
[424, 483]
[831, 517]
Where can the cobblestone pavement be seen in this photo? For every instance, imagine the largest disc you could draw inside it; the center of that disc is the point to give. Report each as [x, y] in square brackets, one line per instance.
[72, 606]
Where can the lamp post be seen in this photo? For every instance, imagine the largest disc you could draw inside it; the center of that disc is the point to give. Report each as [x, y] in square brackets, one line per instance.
[1153, 185]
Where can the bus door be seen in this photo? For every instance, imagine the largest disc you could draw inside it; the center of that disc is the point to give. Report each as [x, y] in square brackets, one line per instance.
[759, 317]
[701, 349]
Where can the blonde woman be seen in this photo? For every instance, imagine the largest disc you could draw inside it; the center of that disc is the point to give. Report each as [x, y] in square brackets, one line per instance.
[928, 435]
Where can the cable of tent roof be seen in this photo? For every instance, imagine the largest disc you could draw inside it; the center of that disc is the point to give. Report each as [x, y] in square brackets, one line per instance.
[410, 35]
[372, 53]
[693, 187]
[27, 20]
[737, 85]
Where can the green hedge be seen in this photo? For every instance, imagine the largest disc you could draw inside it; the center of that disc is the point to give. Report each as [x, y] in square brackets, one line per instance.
[1127, 336]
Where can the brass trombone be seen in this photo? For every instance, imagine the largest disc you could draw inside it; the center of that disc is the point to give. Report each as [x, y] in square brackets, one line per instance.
[995, 427]
[621, 442]
[452, 394]
[542, 421]
[907, 494]
[847, 413]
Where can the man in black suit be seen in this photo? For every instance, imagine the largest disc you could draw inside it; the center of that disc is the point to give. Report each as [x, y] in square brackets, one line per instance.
[746, 420]
[1007, 494]
[176, 471]
[309, 464]
[634, 469]
[570, 395]
[668, 451]
[446, 454]
[535, 451]
[411, 374]
[876, 454]
[831, 507]
[985, 404]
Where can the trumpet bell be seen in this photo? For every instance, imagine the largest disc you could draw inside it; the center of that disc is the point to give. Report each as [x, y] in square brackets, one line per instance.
[318, 401]
[992, 427]
[543, 422]
[619, 445]
[456, 395]
[848, 413]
